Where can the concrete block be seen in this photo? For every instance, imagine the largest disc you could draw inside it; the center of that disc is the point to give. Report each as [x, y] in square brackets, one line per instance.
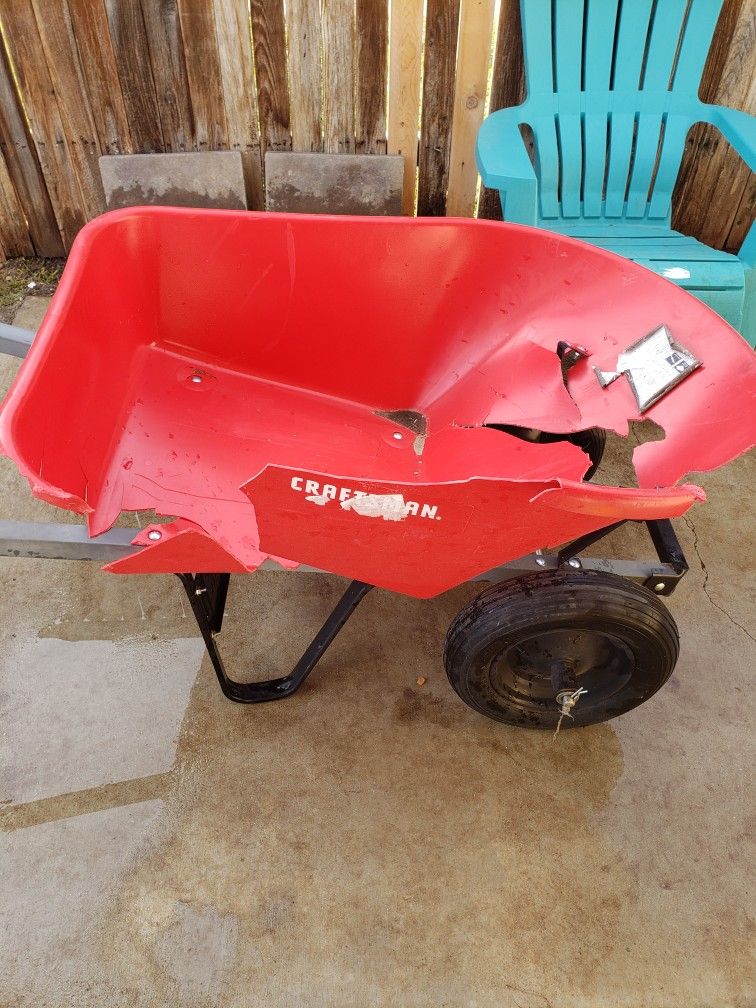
[31, 311]
[334, 183]
[202, 179]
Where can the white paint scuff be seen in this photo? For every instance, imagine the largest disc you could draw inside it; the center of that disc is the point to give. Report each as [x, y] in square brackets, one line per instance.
[390, 507]
[676, 273]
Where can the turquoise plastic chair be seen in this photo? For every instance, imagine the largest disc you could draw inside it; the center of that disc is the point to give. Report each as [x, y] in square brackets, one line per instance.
[612, 91]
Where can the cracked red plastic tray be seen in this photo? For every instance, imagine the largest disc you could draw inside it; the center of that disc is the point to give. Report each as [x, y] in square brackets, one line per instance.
[316, 389]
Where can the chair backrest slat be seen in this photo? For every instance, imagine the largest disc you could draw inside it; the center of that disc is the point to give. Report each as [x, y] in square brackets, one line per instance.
[621, 130]
[673, 146]
[696, 42]
[600, 28]
[568, 45]
[595, 125]
[537, 42]
[647, 134]
[663, 37]
[547, 164]
[630, 44]
[570, 133]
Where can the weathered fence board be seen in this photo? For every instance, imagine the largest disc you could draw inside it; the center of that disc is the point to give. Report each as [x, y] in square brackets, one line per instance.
[338, 76]
[100, 70]
[80, 78]
[473, 57]
[371, 68]
[204, 75]
[269, 37]
[714, 182]
[303, 26]
[441, 23]
[44, 116]
[132, 52]
[59, 47]
[507, 84]
[14, 236]
[166, 44]
[239, 95]
[24, 172]
[405, 72]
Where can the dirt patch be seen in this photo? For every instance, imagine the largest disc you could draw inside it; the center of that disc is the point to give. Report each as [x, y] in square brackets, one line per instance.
[19, 277]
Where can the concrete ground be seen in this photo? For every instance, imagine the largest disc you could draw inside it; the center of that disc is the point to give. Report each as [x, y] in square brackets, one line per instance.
[370, 842]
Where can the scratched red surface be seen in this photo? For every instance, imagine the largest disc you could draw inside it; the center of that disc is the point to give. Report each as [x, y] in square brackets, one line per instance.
[197, 362]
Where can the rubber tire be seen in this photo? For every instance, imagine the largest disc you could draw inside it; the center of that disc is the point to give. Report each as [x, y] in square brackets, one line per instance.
[569, 600]
[593, 443]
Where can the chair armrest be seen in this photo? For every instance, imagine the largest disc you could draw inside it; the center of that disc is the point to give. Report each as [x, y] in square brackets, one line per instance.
[739, 130]
[504, 164]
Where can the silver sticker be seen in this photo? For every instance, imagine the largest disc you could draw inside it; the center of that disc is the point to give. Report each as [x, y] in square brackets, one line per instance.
[653, 365]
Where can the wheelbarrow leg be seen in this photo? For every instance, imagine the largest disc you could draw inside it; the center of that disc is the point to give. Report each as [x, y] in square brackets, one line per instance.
[207, 597]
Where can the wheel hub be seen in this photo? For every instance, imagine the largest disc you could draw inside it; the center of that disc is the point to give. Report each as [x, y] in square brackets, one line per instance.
[589, 659]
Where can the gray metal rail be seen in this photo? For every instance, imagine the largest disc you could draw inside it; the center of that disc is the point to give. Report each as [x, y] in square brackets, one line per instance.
[15, 341]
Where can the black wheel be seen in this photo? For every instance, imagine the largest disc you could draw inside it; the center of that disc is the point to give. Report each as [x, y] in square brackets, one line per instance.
[591, 441]
[520, 643]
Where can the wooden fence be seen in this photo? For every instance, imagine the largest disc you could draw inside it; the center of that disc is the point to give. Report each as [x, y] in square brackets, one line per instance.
[80, 78]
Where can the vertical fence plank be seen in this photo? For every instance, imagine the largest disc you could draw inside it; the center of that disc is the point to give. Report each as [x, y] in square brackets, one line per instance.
[100, 72]
[233, 31]
[166, 44]
[204, 74]
[405, 71]
[442, 17]
[713, 180]
[43, 114]
[24, 169]
[61, 54]
[338, 76]
[132, 53]
[474, 48]
[371, 67]
[744, 216]
[14, 236]
[269, 39]
[507, 84]
[303, 29]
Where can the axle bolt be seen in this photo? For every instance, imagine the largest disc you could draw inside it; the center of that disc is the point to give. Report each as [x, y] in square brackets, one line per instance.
[659, 586]
[574, 562]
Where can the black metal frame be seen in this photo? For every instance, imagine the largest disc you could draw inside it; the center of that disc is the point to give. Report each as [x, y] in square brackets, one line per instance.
[673, 565]
[207, 596]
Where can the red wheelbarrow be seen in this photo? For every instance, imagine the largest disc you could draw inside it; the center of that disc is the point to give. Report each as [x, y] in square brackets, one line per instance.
[412, 404]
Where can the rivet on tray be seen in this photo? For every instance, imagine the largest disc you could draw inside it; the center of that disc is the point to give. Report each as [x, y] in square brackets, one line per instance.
[154, 535]
[398, 436]
[197, 379]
